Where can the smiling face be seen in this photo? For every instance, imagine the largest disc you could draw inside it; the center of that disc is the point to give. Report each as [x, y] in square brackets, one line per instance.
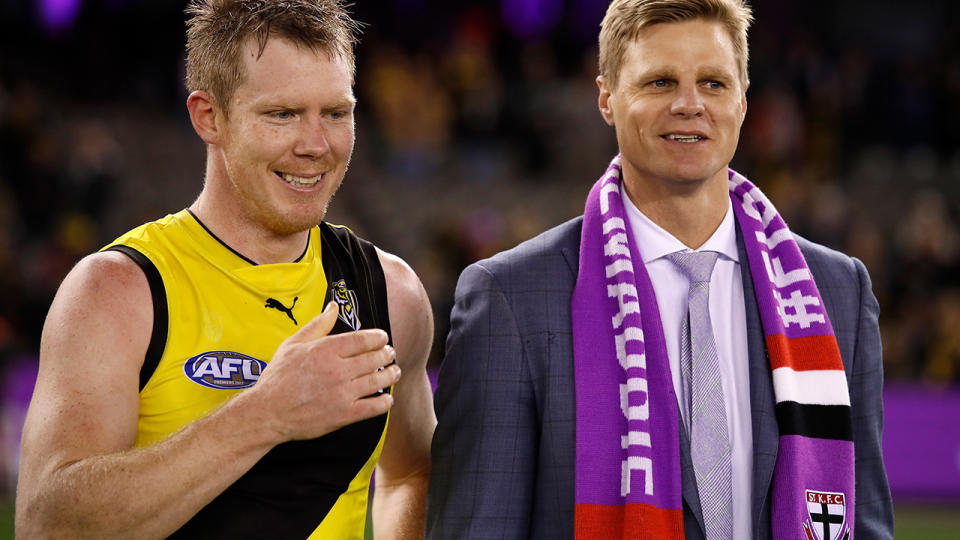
[677, 108]
[286, 142]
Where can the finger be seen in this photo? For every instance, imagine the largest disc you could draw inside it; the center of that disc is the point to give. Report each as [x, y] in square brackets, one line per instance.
[372, 406]
[376, 381]
[361, 341]
[318, 327]
[368, 362]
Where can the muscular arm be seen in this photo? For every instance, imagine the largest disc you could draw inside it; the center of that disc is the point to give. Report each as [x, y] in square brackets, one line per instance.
[404, 467]
[80, 474]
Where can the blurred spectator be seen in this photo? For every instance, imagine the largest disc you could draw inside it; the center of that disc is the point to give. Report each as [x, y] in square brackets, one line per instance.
[944, 356]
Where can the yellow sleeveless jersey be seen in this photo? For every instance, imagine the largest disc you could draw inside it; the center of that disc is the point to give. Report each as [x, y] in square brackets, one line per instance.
[218, 319]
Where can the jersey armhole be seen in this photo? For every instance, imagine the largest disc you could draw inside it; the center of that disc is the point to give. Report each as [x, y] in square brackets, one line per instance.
[371, 272]
[158, 337]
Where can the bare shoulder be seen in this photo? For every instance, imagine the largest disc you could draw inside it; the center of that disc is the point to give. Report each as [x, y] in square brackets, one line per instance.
[106, 287]
[107, 270]
[402, 281]
[411, 318]
[93, 345]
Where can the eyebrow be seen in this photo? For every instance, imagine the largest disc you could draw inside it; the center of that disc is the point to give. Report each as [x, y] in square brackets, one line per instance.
[654, 74]
[267, 102]
[715, 72]
[705, 72]
[347, 102]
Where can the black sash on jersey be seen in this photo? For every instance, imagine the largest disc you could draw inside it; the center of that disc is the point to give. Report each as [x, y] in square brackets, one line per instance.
[290, 490]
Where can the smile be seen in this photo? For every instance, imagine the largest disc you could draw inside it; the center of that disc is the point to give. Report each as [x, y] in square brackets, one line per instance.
[299, 181]
[684, 138]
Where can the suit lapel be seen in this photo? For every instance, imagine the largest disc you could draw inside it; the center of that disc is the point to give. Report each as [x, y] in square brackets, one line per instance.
[688, 478]
[763, 414]
[571, 249]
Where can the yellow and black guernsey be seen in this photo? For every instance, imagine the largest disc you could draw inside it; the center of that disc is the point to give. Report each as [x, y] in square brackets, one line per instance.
[218, 319]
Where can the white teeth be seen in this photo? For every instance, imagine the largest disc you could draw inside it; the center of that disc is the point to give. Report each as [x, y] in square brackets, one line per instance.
[300, 182]
[685, 138]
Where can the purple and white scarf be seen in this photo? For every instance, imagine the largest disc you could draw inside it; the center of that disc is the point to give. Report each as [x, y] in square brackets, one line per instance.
[627, 436]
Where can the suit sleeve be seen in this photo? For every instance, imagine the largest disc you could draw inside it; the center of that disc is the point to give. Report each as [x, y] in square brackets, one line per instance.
[874, 506]
[484, 448]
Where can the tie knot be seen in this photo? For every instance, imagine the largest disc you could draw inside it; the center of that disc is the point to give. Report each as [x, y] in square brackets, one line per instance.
[696, 265]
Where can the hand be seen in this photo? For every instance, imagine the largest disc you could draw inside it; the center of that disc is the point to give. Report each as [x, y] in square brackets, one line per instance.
[317, 383]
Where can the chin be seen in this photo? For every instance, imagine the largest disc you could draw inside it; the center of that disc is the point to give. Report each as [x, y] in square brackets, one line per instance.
[697, 173]
[286, 223]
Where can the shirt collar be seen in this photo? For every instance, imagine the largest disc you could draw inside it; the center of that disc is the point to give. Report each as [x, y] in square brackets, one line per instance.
[658, 243]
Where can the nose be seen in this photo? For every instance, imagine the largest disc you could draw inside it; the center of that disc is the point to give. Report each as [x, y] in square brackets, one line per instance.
[313, 140]
[687, 101]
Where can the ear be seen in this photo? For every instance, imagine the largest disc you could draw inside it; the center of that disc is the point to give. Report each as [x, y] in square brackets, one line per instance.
[203, 115]
[603, 101]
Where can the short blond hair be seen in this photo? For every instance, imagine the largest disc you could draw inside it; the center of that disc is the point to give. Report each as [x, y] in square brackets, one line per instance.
[626, 18]
[217, 30]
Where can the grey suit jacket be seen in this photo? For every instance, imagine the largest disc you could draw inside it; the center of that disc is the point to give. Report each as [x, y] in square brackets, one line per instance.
[503, 451]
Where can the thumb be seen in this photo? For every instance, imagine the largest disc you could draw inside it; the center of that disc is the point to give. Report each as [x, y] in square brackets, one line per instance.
[319, 327]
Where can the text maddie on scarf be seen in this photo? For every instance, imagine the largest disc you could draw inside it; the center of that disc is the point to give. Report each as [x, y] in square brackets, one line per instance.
[627, 440]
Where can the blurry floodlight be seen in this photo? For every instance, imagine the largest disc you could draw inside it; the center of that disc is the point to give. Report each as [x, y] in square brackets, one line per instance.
[531, 18]
[58, 14]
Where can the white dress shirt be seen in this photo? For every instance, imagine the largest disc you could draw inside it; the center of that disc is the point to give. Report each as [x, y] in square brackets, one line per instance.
[728, 317]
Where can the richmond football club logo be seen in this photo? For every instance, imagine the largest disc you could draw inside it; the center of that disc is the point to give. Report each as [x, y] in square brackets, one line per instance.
[827, 512]
[346, 299]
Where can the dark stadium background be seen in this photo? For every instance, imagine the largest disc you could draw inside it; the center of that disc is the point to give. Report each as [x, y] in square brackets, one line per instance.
[477, 127]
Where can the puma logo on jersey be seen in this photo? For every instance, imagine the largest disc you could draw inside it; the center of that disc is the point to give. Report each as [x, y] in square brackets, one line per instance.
[275, 304]
[346, 300]
[224, 370]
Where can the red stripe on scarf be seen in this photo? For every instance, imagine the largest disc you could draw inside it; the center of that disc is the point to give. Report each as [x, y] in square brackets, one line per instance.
[643, 521]
[804, 353]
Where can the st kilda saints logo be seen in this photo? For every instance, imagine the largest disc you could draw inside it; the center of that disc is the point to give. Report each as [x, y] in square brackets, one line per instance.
[346, 300]
[828, 513]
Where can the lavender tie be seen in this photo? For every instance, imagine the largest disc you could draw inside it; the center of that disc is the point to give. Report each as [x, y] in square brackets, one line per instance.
[704, 404]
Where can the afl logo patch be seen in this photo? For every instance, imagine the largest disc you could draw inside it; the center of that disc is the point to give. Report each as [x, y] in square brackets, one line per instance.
[224, 370]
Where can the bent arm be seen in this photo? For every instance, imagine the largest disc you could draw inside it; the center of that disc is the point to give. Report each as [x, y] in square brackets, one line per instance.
[80, 475]
[403, 470]
[874, 506]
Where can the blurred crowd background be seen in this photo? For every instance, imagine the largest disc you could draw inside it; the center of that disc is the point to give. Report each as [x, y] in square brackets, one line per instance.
[477, 127]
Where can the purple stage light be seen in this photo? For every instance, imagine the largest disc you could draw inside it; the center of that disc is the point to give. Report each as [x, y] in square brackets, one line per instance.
[58, 14]
[531, 18]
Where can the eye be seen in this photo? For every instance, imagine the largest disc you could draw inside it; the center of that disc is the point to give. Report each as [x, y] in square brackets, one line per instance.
[283, 115]
[340, 114]
[659, 83]
[715, 85]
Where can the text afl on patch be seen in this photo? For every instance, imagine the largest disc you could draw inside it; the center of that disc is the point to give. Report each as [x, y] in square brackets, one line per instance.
[224, 370]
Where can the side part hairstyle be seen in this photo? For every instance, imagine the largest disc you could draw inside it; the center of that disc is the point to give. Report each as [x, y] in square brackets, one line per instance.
[217, 31]
[625, 19]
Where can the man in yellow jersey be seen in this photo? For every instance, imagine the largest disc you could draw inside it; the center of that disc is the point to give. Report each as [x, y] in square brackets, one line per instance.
[234, 369]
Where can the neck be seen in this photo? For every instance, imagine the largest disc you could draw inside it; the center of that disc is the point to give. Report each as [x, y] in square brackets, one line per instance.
[217, 207]
[690, 212]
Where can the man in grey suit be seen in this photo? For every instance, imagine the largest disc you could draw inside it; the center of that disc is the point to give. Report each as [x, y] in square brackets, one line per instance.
[673, 77]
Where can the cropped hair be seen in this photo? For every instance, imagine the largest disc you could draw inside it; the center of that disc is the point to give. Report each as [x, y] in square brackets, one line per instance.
[625, 19]
[217, 31]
